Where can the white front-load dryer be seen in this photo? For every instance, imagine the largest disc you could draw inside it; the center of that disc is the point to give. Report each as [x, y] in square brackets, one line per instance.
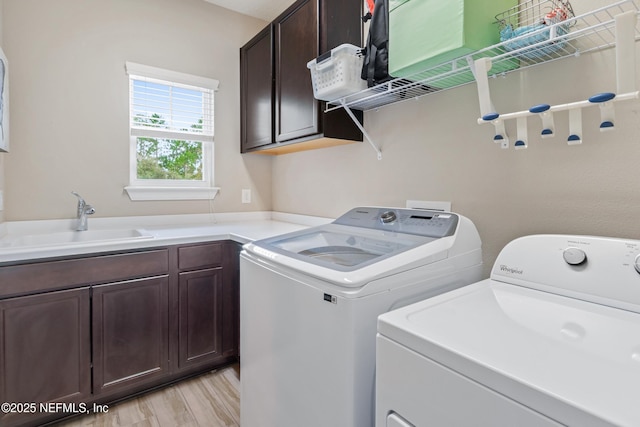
[551, 338]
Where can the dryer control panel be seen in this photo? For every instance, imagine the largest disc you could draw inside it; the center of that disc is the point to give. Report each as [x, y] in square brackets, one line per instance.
[604, 270]
[408, 221]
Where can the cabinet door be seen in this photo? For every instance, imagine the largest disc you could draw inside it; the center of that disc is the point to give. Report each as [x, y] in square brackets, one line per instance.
[256, 91]
[130, 333]
[200, 306]
[45, 349]
[231, 300]
[296, 43]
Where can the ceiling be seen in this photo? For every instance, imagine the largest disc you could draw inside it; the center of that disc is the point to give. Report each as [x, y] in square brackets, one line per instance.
[262, 9]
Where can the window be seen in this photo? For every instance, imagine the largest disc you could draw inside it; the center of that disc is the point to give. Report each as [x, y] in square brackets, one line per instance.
[171, 134]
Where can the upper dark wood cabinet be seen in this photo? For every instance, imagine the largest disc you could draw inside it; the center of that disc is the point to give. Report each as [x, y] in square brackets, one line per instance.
[277, 103]
[296, 35]
[256, 91]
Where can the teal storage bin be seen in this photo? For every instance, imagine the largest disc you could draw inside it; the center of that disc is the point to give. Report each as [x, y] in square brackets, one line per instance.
[426, 33]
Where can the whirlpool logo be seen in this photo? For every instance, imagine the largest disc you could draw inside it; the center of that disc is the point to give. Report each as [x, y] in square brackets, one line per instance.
[510, 270]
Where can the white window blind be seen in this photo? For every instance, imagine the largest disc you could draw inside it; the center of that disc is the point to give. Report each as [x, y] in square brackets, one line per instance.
[176, 106]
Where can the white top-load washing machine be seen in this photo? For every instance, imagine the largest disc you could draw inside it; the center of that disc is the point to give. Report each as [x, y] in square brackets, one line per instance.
[309, 302]
[551, 338]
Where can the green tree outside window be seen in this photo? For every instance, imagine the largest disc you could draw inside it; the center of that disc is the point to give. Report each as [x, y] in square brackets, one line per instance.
[160, 158]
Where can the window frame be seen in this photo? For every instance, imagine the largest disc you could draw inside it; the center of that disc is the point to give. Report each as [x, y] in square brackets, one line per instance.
[167, 189]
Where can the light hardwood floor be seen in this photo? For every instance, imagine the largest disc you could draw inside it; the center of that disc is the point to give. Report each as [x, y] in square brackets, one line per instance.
[211, 400]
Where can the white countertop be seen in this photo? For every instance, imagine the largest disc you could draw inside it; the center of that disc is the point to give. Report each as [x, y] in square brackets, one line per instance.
[28, 240]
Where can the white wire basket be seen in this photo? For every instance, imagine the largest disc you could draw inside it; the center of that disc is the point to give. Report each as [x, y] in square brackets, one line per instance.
[337, 73]
[536, 21]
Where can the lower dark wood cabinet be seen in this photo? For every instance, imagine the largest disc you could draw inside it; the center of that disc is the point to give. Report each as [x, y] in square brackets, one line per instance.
[45, 351]
[130, 333]
[199, 317]
[103, 327]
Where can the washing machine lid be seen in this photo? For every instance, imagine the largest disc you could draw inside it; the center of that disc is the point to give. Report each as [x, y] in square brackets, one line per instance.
[363, 244]
[342, 248]
[575, 361]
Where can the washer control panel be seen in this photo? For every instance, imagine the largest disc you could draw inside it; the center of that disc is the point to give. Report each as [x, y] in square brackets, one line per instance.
[409, 221]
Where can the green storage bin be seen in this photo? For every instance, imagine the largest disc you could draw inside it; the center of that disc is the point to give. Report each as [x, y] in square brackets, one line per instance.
[426, 33]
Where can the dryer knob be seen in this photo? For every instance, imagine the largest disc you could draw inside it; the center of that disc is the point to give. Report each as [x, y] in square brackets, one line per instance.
[574, 256]
[637, 263]
[388, 216]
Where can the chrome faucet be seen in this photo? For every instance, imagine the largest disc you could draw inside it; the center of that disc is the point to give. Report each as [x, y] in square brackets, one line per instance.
[84, 209]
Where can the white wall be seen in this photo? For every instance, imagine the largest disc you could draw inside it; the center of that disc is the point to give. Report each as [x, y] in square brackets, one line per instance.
[69, 101]
[433, 149]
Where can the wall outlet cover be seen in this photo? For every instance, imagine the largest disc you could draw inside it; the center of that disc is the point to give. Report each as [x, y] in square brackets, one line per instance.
[429, 205]
[246, 195]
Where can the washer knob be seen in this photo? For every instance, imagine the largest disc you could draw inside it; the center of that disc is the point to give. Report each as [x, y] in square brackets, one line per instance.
[636, 264]
[574, 256]
[388, 216]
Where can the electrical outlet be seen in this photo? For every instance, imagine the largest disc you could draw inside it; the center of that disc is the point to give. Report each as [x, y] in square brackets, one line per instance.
[246, 195]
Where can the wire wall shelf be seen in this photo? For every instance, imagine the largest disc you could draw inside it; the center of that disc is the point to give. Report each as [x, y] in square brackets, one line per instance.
[589, 32]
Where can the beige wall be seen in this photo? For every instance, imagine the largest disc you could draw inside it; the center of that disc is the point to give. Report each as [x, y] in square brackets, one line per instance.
[2, 155]
[433, 149]
[69, 101]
